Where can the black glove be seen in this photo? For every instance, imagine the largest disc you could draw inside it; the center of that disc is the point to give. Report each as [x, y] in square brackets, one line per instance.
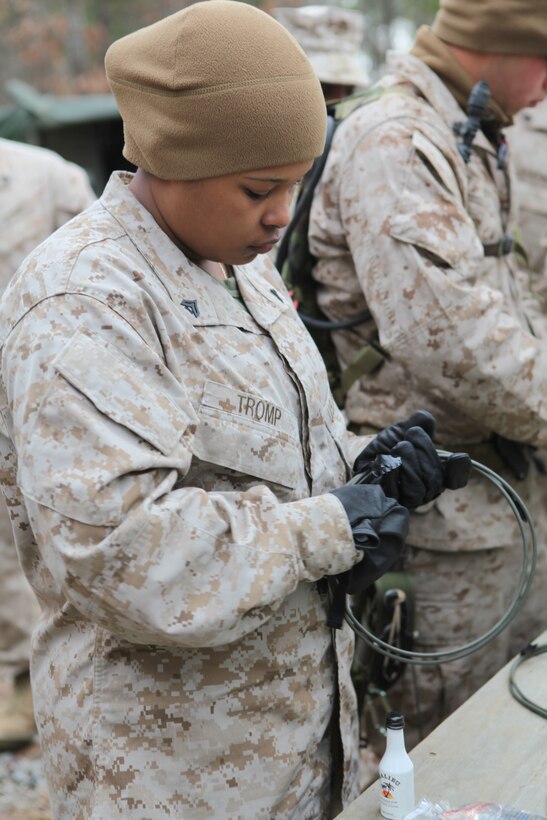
[422, 476]
[379, 526]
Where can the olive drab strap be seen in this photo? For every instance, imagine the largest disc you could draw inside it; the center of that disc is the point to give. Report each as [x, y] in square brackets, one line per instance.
[366, 360]
[505, 246]
[508, 245]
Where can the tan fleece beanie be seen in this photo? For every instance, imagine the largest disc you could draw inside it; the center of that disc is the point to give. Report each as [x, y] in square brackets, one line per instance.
[217, 88]
[494, 26]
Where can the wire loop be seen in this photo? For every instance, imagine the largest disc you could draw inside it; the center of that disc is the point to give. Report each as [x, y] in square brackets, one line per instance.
[529, 557]
[531, 651]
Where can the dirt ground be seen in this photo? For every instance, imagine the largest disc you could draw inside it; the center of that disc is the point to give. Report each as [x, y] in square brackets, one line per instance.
[23, 791]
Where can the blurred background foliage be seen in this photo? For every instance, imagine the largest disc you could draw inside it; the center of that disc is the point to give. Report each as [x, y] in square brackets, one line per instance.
[58, 46]
[53, 89]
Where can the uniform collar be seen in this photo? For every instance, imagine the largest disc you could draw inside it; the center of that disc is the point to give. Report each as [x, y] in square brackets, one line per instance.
[258, 286]
[205, 299]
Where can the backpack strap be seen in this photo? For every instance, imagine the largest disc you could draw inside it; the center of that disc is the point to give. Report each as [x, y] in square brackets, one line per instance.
[366, 360]
[505, 246]
[336, 112]
[295, 262]
[306, 196]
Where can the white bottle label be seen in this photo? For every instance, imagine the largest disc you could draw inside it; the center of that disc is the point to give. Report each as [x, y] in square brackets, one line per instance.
[396, 794]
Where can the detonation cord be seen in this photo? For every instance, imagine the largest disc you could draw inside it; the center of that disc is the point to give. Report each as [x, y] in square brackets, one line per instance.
[529, 557]
[531, 651]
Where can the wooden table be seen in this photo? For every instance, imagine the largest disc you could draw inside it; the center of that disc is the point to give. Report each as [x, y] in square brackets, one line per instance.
[491, 749]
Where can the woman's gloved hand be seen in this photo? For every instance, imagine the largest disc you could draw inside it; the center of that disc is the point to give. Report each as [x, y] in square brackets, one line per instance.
[421, 476]
[379, 526]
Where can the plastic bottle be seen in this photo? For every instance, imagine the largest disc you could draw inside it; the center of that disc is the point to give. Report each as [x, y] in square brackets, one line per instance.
[396, 772]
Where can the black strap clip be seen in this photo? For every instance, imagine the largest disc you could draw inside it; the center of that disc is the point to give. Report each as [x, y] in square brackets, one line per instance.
[501, 248]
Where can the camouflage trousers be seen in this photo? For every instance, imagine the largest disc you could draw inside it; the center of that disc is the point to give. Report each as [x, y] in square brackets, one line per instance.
[460, 596]
[19, 609]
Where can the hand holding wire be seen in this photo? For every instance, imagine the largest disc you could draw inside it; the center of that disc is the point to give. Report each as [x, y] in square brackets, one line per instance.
[420, 475]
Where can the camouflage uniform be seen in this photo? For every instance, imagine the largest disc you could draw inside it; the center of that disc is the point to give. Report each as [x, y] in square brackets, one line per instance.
[174, 450]
[39, 191]
[528, 143]
[527, 140]
[398, 225]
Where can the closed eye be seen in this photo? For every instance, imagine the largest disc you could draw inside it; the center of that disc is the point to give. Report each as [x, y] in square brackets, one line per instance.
[256, 195]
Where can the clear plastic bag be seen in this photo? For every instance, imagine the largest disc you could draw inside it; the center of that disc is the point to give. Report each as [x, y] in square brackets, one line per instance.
[426, 810]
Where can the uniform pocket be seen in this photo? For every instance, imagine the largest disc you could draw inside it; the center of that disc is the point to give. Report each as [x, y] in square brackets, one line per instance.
[249, 434]
[103, 426]
[118, 388]
[474, 518]
[433, 217]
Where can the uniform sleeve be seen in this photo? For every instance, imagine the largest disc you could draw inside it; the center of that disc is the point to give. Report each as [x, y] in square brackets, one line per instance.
[419, 260]
[103, 433]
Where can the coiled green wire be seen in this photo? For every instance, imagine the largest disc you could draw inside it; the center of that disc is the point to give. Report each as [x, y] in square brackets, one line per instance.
[529, 557]
[531, 651]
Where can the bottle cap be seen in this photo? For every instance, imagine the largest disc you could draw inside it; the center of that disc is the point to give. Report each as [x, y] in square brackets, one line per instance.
[395, 720]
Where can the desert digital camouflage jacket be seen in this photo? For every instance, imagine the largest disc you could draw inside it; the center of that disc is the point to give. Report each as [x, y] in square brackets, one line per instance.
[400, 217]
[528, 143]
[39, 192]
[172, 451]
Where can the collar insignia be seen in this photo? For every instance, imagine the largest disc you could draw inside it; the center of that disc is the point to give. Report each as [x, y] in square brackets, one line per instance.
[191, 306]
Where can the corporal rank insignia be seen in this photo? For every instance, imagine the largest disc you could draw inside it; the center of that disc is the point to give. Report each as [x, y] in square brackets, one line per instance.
[191, 306]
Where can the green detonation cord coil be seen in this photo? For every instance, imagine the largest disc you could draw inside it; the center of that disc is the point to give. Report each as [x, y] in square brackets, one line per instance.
[531, 651]
[529, 557]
